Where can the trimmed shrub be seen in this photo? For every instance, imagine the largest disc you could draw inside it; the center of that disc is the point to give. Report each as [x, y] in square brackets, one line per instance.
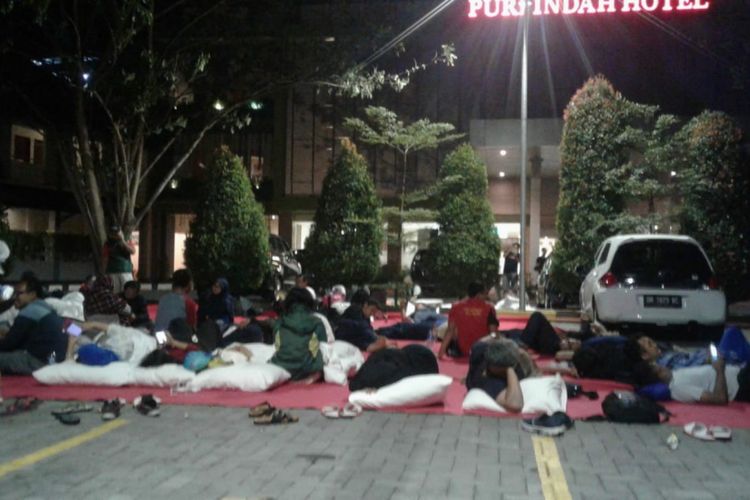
[467, 247]
[344, 246]
[228, 236]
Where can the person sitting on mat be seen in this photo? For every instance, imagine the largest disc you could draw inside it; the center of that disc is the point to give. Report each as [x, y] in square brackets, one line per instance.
[388, 366]
[36, 336]
[131, 293]
[217, 305]
[494, 367]
[177, 304]
[469, 320]
[355, 327]
[298, 335]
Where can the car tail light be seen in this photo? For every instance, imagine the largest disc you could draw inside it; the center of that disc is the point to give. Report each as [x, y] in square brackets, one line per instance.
[713, 283]
[608, 280]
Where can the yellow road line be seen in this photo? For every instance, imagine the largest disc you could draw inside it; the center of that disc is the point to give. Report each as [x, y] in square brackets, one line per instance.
[60, 447]
[551, 475]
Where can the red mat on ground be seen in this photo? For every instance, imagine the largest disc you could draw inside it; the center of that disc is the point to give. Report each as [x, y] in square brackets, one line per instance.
[736, 415]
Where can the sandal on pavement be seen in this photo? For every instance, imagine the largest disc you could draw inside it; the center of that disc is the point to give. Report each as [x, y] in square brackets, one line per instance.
[350, 411]
[720, 433]
[698, 430]
[20, 405]
[330, 411]
[260, 410]
[277, 417]
[73, 408]
[67, 418]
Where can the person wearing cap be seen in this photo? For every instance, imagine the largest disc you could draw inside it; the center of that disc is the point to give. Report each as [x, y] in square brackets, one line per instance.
[116, 258]
[355, 327]
[495, 368]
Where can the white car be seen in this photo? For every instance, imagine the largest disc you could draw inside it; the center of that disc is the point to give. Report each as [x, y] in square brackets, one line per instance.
[650, 279]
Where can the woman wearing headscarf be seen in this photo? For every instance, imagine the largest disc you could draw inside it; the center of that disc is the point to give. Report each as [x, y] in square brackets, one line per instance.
[217, 305]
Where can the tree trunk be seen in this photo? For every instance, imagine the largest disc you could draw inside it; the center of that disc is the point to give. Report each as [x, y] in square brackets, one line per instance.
[91, 192]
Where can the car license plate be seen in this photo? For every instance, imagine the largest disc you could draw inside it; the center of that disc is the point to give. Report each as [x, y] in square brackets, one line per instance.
[671, 301]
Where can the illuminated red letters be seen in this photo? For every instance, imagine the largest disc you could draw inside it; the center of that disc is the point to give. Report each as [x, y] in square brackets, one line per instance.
[515, 8]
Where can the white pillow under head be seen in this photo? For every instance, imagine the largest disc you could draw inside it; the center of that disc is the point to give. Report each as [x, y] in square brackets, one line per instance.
[250, 377]
[540, 395]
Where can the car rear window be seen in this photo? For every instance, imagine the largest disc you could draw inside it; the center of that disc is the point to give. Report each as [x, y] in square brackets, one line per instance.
[672, 264]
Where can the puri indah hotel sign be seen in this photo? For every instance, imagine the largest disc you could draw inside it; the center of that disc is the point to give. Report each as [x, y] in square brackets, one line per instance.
[514, 8]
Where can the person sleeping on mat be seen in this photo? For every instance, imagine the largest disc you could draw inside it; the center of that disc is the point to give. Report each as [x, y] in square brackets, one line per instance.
[388, 366]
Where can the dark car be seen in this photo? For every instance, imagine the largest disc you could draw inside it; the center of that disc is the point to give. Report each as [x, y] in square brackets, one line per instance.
[548, 296]
[284, 266]
[422, 270]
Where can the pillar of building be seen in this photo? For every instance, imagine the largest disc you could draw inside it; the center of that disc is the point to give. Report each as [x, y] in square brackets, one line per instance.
[535, 212]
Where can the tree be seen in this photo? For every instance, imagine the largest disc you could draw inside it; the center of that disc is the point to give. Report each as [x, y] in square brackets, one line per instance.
[467, 247]
[388, 130]
[129, 88]
[714, 182]
[228, 237]
[592, 197]
[344, 246]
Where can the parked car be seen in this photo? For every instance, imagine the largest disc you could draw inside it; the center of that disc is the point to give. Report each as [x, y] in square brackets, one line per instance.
[284, 266]
[548, 295]
[422, 270]
[653, 280]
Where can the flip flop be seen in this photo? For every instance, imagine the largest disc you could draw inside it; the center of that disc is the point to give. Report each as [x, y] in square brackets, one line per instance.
[73, 408]
[720, 433]
[698, 430]
[261, 409]
[67, 418]
[277, 417]
[350, 411]
[20, 405]
[331, 412]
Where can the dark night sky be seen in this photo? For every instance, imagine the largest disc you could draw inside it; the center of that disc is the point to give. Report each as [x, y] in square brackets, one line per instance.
[684, 74]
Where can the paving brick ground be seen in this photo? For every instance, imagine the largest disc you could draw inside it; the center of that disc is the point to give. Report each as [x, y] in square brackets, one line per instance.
[207, 453]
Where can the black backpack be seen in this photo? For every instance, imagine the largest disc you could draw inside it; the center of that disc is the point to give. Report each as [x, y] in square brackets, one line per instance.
[630, 408]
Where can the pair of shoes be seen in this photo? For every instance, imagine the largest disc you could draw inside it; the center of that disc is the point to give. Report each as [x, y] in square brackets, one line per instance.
[548, 425]
[350, 410]
[261, 410]
[110, 410]
[703, 432]
[148, 405]
[276, 417]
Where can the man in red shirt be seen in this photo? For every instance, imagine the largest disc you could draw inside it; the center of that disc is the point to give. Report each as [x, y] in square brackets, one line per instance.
[469, 320]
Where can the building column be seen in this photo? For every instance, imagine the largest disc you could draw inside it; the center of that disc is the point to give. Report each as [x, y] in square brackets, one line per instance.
[535, 209]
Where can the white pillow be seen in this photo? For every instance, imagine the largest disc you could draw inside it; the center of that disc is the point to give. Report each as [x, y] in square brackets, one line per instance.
[540, 395]
[162, 376]
[114, 374]
[544, 394]
[477, 399]
[417, 390]
[251, 377]
[261, 352]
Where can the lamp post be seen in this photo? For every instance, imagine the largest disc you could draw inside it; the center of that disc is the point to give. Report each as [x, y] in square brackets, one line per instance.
[524, 149]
